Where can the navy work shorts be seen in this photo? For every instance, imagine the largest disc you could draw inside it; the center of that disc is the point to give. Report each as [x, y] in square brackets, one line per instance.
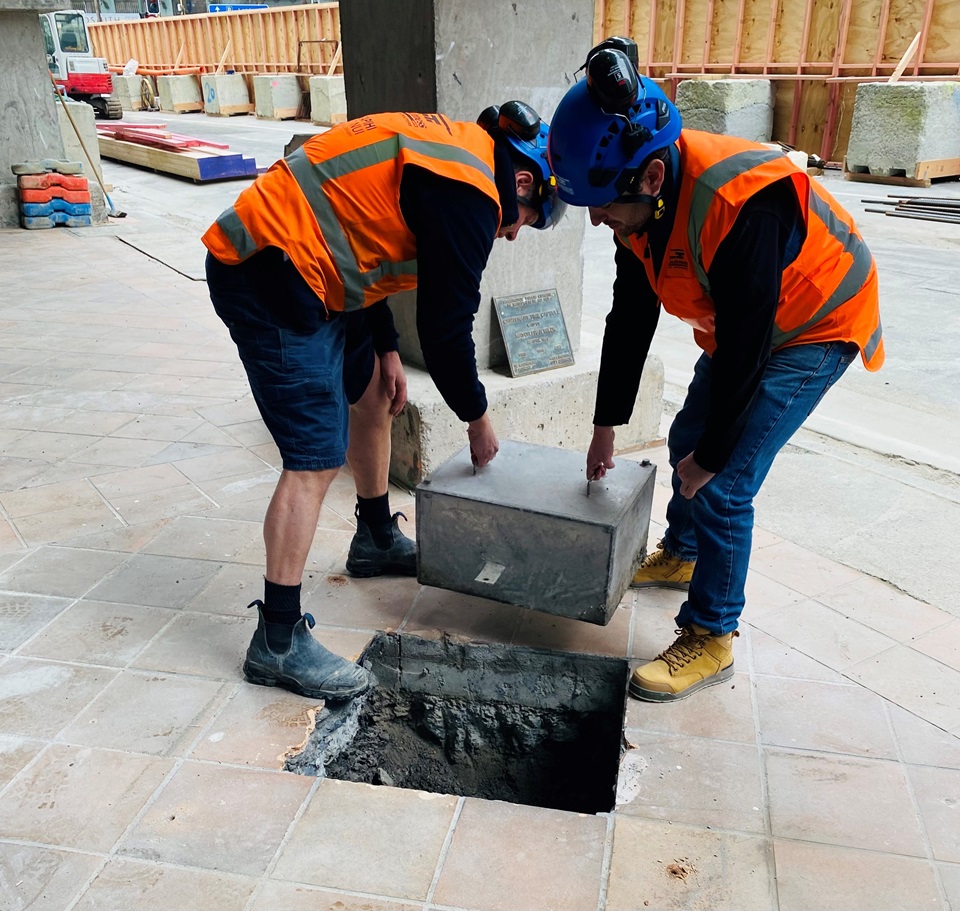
[294, 356]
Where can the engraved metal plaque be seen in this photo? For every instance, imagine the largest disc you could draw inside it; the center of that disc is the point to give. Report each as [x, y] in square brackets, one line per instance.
[534, 332]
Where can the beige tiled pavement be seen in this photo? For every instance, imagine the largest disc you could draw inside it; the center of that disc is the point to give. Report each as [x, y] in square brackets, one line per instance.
[139, 771]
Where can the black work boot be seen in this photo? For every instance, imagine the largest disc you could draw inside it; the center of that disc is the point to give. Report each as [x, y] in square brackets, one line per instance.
[304, 666]
[368, 558]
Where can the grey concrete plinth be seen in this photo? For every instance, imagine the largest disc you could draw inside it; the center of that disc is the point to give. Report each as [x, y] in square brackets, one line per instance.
[128, 91]
[29, 129]
[328, 100]
[276, 96]
[179, 94]
[225, 94]
[554, 408]
[731, 107]
[897, 126]
[525, 530]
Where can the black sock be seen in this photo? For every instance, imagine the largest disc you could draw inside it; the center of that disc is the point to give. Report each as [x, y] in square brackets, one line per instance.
[375, 511]
[281, 603]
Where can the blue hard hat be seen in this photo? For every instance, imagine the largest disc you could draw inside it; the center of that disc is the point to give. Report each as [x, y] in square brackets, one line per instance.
[526, 134]
[605, 127]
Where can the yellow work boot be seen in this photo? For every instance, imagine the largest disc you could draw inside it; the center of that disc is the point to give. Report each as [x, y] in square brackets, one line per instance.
[663, 569]
[697, 659]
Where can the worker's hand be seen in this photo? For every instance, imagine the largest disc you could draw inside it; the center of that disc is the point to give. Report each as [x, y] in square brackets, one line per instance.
[394, 381]
[692, 476]
[483, 441]
[600, 453]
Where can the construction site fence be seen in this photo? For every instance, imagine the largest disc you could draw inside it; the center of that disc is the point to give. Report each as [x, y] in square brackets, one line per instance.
[816, 52]
[289, 39]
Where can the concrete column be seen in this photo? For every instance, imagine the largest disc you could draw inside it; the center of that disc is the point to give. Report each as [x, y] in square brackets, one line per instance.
[29, 129]
[457, 58]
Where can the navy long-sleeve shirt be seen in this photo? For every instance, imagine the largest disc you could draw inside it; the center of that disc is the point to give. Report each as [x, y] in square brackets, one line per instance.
[745, 278]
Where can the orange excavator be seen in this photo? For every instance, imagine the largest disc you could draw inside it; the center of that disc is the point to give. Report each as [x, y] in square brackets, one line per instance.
[83, 76]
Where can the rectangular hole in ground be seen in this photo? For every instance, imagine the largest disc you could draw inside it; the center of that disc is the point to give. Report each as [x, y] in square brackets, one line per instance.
[528, 726]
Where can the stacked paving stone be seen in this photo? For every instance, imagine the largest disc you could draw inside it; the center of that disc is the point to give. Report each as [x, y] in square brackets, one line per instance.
[53, 193]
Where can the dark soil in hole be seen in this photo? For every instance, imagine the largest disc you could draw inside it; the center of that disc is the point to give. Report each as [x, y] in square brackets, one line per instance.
[563, 760]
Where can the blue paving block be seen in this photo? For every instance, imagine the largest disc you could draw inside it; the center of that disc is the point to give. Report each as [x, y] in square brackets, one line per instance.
[55, 206]
[56, 218]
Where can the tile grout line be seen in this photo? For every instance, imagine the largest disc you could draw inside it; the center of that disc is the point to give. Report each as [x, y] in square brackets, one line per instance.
[607, 860]
[918, 811]
[444, 851]
[764, 779]
[6, 515]
[265, 877]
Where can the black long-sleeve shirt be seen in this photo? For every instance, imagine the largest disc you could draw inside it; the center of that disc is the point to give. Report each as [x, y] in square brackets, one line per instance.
[455, 225]
[745, 278]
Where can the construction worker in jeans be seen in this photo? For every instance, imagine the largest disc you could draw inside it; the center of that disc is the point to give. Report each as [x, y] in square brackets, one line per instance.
[781, 292]
[378, 205]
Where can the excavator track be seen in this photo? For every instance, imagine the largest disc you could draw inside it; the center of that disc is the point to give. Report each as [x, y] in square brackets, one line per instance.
[114, 109]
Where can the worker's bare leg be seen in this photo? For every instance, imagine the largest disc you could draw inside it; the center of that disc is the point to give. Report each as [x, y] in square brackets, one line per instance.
[283, 651]
[379, 546]
[291, 522]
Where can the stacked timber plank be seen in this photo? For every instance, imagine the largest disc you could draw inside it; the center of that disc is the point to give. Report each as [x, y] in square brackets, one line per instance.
[153, 146]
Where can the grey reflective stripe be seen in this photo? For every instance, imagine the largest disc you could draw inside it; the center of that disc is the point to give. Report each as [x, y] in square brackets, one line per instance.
[445, 152]
[310, 180]
[237, 233]
[312, 177]
[704, 190]
[851, 283]
[873, 342]
[389, 268]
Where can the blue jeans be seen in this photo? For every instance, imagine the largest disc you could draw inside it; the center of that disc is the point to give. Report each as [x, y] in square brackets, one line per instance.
[715, 528]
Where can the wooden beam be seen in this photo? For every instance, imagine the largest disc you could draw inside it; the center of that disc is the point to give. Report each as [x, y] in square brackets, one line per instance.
[738, 43]
[924, 33]
[772, 32]
[707, 34]
[881, 35]
[651, 37]
[905, 59]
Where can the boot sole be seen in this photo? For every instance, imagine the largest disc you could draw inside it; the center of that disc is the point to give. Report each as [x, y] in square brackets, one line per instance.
[293, 686]
[361, 571]
[678, 586]
[638, 692]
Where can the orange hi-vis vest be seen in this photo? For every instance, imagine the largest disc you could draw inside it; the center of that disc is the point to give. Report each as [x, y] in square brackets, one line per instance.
[333, 205]
[828, 293]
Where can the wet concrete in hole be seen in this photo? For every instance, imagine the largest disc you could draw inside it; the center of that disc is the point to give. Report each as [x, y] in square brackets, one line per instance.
[528, 726]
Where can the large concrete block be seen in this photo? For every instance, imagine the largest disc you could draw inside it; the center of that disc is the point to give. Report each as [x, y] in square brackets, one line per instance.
[226, 94]
[523, 530]
[730, 107]
[554, 408]
[328, 100]
[897, 126]
[179, 94]
[129, 91]
[276, 96]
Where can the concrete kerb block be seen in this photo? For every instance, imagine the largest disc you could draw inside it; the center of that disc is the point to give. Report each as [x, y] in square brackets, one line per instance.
[83, 118]
[276, 96]
[328, 100]
[225, 94]
[730, 107]
[897, 126]
[179, 94]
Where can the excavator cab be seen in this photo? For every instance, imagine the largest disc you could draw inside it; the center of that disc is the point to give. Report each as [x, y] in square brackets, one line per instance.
[80, 74]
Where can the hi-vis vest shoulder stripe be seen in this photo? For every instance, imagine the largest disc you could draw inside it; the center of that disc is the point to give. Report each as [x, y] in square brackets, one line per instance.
[333, 204]
[829, 293]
